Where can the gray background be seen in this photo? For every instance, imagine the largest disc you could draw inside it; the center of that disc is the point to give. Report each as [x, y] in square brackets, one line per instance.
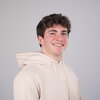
[18, 19]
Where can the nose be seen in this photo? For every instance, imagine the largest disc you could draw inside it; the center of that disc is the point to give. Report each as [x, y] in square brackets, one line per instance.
[59, 37]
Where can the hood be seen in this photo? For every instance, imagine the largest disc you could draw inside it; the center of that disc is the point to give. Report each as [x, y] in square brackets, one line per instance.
[33, 57]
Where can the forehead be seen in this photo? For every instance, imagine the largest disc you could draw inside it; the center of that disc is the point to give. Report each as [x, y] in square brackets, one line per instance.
[56, 27]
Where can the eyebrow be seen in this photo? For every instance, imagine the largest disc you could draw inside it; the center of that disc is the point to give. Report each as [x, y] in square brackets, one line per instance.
[52, 31]
[65, 31]
[56, 31]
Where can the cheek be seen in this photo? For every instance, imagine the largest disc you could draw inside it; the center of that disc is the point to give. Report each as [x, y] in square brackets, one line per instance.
[49, 39]
[65, 39]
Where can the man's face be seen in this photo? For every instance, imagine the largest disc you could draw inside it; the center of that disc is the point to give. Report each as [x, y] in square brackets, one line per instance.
[55, 40]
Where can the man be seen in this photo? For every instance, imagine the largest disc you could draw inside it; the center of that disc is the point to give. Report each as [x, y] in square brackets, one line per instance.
[44, 75]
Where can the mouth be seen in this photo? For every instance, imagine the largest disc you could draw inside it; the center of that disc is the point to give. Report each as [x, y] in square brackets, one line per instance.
[58, 44]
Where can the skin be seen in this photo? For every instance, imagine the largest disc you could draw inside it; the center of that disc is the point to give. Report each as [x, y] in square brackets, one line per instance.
[54, 42]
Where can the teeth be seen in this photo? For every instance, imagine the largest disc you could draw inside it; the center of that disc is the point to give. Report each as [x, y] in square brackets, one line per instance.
[58, 44]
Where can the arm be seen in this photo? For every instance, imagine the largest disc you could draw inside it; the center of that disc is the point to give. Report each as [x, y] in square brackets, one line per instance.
[26, 87]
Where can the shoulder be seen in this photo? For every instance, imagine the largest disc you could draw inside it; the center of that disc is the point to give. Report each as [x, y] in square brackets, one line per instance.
[68, 67]
[24, 78]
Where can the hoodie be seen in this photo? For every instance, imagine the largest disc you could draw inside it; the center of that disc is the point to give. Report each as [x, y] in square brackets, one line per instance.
[43, 78]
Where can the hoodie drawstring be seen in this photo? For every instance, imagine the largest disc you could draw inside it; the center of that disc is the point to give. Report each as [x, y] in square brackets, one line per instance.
[66, 75]
[56, 77]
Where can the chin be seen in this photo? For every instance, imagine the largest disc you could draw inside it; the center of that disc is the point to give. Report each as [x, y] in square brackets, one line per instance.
[58, 53]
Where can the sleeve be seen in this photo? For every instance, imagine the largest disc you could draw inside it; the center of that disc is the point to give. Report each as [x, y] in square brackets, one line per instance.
[25, 87]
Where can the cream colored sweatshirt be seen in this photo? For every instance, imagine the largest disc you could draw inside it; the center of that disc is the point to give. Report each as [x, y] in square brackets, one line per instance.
[43, 78]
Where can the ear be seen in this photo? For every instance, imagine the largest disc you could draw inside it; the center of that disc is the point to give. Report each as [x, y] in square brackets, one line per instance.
[40, 40]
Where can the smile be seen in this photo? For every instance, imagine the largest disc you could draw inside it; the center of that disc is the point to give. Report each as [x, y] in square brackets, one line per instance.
[58, 44]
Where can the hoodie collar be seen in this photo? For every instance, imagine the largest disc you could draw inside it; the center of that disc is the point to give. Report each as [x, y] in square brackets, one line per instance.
[34, 57]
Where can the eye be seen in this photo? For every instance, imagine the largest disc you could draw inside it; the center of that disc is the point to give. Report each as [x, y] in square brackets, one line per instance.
[65, 33]
[52, 33]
